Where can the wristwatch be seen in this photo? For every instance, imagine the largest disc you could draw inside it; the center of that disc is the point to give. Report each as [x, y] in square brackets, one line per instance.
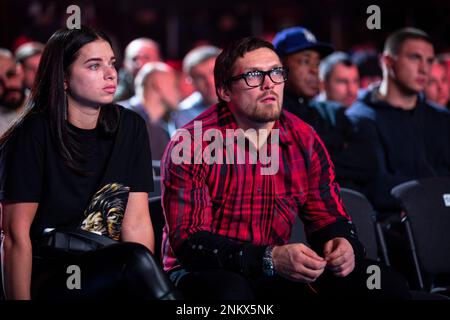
[267, 263]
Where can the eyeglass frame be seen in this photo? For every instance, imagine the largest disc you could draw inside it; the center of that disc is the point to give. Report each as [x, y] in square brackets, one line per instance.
[265, 73]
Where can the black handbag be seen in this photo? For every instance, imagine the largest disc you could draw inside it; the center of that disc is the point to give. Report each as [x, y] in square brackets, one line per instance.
[61, 240]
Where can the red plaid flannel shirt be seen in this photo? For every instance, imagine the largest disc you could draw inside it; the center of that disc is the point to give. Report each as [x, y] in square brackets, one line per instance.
[237, 201]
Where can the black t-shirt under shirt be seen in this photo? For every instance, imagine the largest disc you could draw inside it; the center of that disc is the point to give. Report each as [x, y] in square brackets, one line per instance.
[117, 165]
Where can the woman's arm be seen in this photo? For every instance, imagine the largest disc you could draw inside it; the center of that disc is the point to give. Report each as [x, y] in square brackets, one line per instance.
[137, 225]
[17, 250]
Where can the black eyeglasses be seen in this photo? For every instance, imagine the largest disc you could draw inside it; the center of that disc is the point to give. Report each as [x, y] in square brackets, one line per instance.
[256, 78]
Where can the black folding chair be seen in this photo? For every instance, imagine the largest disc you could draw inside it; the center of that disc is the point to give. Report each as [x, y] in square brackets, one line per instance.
[426, 203]
[156, 166]
[363, 216]
[370, 232]
[156, 187]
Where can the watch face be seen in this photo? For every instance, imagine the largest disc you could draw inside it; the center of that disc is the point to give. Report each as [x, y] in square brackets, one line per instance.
[268, 267]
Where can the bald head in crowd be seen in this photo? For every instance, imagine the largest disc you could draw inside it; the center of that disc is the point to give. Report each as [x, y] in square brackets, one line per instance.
[28, 55]
[198, 64]
[156, 86]
[139, 52]
[12, 92]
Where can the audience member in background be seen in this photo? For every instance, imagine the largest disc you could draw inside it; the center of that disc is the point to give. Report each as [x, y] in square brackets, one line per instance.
[437, 89]
[199, 65]
[137, 53]
[445, 59]
[339, 78]
[301, 54]
[156, 98]
[404, 137]
[368, 63]
[185, 86]
[28, 56]
[12, 90]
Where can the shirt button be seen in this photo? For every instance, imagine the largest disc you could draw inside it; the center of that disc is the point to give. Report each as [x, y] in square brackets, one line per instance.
[259, 190]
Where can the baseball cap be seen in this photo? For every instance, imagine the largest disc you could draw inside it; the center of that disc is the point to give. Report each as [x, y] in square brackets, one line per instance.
[296, 39]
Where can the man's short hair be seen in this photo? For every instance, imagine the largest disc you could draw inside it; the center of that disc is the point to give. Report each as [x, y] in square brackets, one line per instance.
[227, 58]
[327, 65]
[197, 56]
[28, 50]
[395, 40]
[368, 63]
[148, 69]
[5, 53]
[443, 58]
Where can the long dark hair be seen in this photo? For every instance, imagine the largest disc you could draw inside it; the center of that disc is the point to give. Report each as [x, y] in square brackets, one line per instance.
[48, 95]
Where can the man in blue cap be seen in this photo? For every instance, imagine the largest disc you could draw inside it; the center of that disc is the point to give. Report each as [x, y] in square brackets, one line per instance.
[301, 53]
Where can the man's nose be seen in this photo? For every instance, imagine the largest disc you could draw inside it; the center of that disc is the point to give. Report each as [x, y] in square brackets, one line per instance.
[314, 68]
[424, 67]
[267, 82]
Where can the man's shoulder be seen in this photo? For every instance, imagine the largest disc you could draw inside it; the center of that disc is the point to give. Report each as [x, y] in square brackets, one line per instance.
[298, 129]
[361, 109]
[437, 110]
[208, 119]
[294, 122]
[189, 108]
[192, 101]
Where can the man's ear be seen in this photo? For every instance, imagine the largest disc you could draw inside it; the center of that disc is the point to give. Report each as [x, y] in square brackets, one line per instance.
[224, 93]
[323, 85]
[387, 60]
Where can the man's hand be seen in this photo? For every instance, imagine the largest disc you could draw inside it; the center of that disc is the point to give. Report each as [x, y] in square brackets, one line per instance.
[340, 257]
[297, 262]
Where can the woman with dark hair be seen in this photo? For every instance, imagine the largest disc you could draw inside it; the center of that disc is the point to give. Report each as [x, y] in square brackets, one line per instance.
[79, 162]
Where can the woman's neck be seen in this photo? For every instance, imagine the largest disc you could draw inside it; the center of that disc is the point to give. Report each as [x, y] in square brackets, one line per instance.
[83, 117]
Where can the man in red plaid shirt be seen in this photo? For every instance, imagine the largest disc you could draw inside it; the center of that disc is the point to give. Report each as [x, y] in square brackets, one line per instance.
[228, 221]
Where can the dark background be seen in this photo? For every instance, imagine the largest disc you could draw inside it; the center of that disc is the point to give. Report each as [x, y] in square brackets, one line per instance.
[180, 25]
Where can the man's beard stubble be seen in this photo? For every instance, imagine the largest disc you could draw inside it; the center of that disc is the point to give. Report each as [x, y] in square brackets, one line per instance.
[12, 104]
